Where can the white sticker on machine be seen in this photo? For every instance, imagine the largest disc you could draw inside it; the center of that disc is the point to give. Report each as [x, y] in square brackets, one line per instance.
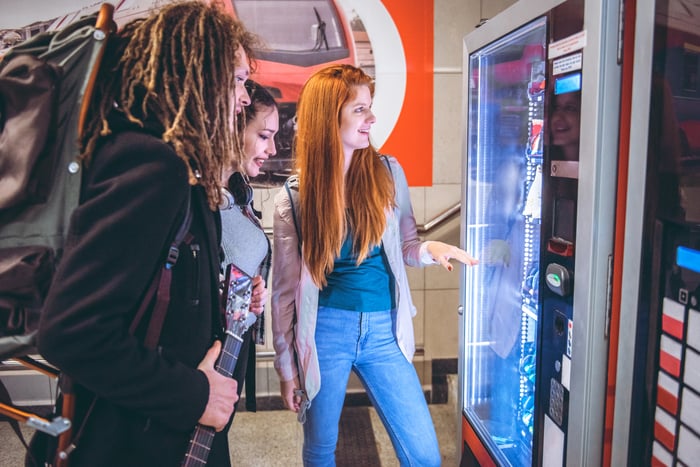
[566, 64]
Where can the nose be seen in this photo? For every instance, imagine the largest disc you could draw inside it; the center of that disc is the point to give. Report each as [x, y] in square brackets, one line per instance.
[243, 97]
[371, 118]
[271, 147]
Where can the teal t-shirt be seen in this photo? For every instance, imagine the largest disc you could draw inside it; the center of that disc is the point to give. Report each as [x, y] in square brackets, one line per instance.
[367, 287]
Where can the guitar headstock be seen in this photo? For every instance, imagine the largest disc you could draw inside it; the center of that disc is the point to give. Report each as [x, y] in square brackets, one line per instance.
[238, 288]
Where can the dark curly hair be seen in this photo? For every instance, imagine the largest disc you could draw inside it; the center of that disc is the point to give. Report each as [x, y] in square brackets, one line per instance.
[260, 99]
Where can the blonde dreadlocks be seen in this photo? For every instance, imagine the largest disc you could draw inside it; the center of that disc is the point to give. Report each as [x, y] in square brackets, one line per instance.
[176, 67]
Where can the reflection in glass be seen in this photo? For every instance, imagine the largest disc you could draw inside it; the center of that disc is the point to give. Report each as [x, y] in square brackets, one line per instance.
[506, 128]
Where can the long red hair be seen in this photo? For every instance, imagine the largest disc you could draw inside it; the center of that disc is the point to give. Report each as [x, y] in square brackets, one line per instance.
[329, 202]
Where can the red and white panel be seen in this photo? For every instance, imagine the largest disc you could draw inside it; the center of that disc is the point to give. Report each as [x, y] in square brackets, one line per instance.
[665, 429]
[667, 393]
[673, 318]
[670, 356]
[660, 457]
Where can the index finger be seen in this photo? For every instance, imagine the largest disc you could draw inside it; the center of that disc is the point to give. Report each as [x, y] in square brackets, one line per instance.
[464, 257]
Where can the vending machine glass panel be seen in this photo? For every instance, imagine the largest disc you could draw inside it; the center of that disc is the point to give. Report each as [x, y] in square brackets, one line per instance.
[503, 170]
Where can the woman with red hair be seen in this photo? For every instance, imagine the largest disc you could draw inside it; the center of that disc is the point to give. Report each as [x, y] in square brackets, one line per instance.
[343, 232]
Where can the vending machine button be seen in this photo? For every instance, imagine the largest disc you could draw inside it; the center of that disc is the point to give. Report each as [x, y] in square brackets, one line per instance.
[554, 280]
[558, 279]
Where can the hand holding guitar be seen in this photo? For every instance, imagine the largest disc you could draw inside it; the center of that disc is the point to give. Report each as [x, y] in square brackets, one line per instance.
[218, 365]
[259, 296]
[222, 392]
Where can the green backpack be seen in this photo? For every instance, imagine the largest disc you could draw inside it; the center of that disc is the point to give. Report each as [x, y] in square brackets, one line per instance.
[45, 85]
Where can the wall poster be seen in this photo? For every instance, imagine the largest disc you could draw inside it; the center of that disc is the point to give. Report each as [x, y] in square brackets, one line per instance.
[392, 40]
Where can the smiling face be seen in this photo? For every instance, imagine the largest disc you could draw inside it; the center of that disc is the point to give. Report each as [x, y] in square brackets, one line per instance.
[356, 119]
[258, 139]
[238, 100]
[565, 122]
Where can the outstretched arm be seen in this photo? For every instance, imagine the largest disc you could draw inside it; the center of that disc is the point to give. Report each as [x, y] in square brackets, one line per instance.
[415, 252]
[442, 253]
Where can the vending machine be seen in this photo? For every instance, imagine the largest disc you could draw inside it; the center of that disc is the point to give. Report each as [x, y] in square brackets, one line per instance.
[657, 394]
[541, 106]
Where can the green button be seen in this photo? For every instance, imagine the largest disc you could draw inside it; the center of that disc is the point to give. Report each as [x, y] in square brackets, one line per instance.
[554, 280]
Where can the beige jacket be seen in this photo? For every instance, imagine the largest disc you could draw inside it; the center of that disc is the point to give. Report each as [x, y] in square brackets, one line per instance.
[295, 296]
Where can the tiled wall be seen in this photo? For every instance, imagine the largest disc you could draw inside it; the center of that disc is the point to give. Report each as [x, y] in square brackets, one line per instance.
[435, 291]
[438, 314]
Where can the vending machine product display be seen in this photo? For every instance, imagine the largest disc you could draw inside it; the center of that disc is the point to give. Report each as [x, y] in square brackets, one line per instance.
[526, 364]
[507, 83]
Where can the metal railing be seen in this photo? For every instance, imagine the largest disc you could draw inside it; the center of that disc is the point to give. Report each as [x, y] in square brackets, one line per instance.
[422, 229]
[440, 219]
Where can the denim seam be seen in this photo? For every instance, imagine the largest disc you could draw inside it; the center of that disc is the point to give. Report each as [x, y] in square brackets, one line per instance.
[385, 422]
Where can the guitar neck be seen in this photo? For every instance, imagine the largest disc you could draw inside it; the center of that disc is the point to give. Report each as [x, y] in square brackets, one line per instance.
[203, 436]
[237, 294]
[229, 353]
[200, 445]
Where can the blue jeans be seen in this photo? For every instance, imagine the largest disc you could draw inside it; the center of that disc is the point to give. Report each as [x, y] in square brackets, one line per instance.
[365, 343]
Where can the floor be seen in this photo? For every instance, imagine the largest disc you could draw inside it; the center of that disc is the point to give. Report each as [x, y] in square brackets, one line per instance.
[273, 438]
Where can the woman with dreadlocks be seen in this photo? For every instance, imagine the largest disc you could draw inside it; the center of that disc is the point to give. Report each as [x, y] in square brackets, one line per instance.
[158, 137]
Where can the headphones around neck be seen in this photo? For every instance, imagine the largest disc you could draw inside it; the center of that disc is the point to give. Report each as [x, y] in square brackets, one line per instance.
[238, 192]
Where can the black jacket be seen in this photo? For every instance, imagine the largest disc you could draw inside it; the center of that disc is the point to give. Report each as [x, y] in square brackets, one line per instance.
[148, 402]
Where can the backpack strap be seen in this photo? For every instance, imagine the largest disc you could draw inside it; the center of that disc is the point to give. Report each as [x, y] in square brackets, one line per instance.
[385, 158]
[160, 286]
[292, 183]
